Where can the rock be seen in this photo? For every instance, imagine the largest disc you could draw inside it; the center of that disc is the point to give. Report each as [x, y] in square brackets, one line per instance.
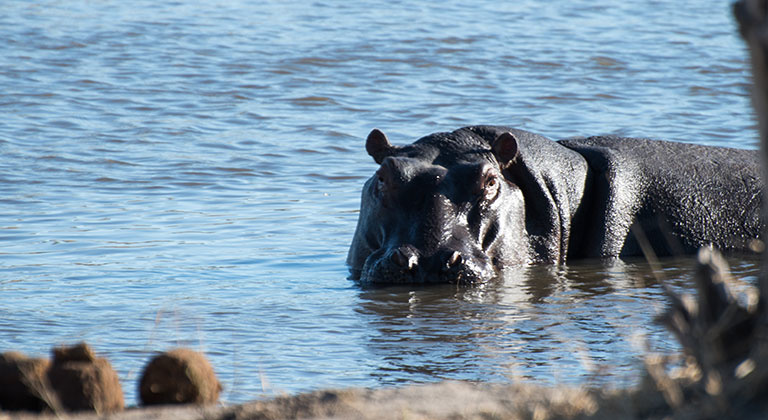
[180, 376]
[83, 381]
[22, 382]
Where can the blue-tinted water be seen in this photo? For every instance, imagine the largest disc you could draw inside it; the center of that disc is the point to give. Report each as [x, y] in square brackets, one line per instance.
[188, 173]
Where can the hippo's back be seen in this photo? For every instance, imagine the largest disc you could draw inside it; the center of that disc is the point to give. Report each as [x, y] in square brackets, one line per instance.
[680, 196]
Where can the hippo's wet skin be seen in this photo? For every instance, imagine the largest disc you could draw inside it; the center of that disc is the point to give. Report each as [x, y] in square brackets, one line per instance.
[458, 207]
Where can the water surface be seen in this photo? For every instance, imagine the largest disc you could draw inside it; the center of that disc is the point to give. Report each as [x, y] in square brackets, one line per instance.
[188, 173]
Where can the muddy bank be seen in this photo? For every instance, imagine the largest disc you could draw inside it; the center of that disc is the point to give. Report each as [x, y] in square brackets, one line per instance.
[446, 400]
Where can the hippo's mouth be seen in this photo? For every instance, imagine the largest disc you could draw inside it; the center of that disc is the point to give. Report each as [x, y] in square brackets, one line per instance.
[406, 265]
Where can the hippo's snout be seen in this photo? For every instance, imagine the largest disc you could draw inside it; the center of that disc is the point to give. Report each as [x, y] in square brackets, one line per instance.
[405, 264]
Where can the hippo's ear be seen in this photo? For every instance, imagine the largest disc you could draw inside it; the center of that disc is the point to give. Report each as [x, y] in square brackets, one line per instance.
[377, 145]
[505, 148]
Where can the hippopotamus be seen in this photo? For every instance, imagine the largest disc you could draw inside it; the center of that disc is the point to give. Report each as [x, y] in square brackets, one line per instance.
[461, 206]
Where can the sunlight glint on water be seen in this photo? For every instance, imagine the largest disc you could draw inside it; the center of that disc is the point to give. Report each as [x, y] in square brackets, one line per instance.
[188, 173]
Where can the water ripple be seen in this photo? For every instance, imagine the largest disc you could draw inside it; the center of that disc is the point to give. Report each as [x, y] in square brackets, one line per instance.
[189, 173]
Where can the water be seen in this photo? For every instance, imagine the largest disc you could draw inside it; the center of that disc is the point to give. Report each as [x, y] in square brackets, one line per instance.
[188, 173]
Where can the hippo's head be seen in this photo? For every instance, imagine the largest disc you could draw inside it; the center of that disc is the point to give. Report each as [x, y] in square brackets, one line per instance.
[457, 207]
[451, 207]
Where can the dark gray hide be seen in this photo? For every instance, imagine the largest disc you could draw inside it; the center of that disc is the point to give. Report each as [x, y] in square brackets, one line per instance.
[677, 197]
[458, 207]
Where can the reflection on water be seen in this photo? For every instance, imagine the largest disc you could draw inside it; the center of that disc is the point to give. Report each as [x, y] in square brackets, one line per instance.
[542, 322]
[189, 173]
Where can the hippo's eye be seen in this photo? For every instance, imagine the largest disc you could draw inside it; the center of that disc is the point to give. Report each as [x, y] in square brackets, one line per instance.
[491, 188]
[381, 185]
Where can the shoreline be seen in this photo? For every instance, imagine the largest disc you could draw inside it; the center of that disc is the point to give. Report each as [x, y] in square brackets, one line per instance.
[442, 400]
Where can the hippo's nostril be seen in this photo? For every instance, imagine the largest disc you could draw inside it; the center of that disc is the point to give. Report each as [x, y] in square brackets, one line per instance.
[455, 259]
[404, 258]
